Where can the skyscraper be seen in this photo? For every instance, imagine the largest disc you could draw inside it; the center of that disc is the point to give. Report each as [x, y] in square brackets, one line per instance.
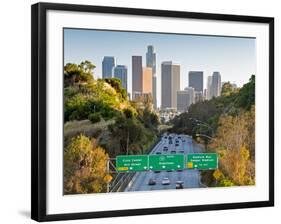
[151, 62]
[198, 96]
[183, 100]
[191, 93]
[209, 88]
[137, 79]
[147, 80]
[120, 72]
[170, 74]
[108, 64]
[195, 80]
[216, 84]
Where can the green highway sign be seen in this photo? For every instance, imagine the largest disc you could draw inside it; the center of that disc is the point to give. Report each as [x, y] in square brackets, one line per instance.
[202, 161]
[132, 163]
[166, 162]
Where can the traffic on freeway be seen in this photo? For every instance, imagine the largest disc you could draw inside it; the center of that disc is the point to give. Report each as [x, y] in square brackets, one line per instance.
[169, 179]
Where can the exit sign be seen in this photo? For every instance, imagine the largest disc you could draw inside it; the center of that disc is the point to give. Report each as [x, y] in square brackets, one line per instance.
[132, 163]
[202, 161]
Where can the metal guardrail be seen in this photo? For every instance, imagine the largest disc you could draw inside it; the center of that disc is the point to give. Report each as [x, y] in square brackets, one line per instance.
[121, 182]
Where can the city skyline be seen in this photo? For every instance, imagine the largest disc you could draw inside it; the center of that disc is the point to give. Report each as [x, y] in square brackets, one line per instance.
[233, 57]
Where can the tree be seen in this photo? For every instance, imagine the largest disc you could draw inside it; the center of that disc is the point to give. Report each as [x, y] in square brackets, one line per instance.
[246, 97]
[84, 167]
[77, 74]
[87, 67]
[116, 84]
[227, 89]
[234, 138]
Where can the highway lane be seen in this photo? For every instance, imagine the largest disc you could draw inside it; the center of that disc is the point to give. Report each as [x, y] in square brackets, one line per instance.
[190, 178]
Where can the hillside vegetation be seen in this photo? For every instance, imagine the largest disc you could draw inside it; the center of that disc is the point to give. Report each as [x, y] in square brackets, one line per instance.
[99, 112]
[225, 125]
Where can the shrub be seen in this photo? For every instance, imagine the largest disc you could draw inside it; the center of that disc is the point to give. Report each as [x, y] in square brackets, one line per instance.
[95, 117]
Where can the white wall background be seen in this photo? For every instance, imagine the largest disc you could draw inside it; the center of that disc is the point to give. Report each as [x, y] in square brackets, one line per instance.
[15, 110]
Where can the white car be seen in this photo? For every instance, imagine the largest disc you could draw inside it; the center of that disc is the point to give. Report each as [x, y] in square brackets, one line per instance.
[165, 181]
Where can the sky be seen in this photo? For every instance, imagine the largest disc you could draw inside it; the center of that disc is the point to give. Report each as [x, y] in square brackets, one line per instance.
[233, 57]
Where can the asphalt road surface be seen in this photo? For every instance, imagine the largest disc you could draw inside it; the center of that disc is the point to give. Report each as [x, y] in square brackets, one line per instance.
[190, 178]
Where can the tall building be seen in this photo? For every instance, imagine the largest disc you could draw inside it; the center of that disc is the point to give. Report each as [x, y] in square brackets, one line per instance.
[195, 80]
[120, 72]
[216, 84]
[151, 63]
[108, 64]
[147, 80]
[183, 100]
[198, 96]
[170, 74]
[137, 79]
[191, 92]
[209, 88]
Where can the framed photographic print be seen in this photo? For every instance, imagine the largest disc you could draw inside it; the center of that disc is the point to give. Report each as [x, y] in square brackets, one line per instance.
[139, 111]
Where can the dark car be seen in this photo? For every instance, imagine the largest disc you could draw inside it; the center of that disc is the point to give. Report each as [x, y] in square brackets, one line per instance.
[179, 185]
[158, 153]
[177, 144]
[173, 151]
[151, 181]
[157, 171]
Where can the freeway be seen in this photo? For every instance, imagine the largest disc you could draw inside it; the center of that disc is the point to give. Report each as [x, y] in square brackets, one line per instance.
[190, 178]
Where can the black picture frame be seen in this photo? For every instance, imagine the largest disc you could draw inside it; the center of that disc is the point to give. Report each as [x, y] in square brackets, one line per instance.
[39, 107]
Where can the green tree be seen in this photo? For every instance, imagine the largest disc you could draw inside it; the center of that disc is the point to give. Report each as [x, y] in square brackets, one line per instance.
[78, 74]
[116, 84]
[246, 97]
[227, 89]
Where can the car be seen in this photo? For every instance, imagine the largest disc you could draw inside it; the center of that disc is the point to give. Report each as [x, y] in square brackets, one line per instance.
[169, 170]
[173, 151]
[157, 171]
[170, 142]
[181, 151]
[179, 137]
[158, 153]
[179, 170]
[179, 184]
[177, 144]
[165, 149]
[166, 181]
[151, 181]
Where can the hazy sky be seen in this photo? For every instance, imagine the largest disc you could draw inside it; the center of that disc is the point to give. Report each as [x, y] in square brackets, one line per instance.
[233, 57]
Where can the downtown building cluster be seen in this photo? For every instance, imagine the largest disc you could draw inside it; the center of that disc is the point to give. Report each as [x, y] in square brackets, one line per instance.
[143, 77]
[144, 82]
